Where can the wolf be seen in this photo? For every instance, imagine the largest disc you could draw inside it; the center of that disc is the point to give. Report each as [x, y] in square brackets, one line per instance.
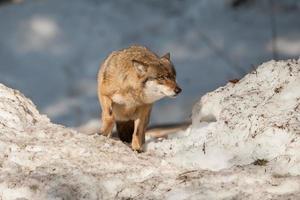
[129, 82]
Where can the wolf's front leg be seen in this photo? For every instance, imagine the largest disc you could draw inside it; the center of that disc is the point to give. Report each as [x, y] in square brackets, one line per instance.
[140, 125]
[108, 119]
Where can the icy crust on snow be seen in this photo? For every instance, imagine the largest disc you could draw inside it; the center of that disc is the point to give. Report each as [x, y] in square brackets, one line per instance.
[256, 118]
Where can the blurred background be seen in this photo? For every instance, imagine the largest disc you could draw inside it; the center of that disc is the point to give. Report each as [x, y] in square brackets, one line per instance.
[51, 49]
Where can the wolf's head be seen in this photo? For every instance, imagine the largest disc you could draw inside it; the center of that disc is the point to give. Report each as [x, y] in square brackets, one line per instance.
[158, 78]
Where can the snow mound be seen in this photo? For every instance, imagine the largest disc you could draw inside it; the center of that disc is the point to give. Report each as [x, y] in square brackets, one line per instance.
[256, 118]
[41, 160]
[17, 113]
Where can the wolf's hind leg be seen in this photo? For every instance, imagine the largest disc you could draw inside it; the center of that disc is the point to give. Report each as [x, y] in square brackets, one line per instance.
[108, 119]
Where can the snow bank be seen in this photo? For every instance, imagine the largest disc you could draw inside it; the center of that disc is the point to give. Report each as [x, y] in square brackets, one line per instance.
[256, 118]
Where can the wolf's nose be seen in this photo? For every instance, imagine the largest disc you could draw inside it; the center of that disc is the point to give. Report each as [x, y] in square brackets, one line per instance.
[177, 90]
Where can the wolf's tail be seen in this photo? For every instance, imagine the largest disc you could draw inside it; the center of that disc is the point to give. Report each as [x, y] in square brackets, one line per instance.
[125, 130]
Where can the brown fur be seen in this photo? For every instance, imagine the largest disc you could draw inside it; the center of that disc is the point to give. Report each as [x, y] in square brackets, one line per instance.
[122, 80]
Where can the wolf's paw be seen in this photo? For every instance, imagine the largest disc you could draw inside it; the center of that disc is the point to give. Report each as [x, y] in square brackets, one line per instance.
[108, 135]
[135, 146]
[140, 150]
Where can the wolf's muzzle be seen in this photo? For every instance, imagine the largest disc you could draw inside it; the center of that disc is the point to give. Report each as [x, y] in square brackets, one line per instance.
[177, 90]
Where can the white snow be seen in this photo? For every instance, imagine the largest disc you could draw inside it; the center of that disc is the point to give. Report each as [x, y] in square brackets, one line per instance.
[243, 143]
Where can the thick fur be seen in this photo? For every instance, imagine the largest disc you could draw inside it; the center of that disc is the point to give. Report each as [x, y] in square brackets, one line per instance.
[129, 82]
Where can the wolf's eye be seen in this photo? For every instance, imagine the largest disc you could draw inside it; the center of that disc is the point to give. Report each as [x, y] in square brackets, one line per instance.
[149, 79]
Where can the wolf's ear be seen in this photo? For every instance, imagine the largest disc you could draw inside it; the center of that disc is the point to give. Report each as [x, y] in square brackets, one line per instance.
[166, 56]
[140, 67]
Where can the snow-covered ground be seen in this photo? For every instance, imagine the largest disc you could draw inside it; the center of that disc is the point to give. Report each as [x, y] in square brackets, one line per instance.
[51, 49]
[243, 143]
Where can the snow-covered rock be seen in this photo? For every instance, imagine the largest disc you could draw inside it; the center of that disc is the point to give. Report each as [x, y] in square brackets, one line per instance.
[243, 143]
